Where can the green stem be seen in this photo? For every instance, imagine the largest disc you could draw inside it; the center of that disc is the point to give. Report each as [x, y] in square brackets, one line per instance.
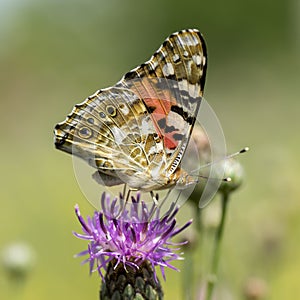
[188, 277]
[188, 282]
[217, 249]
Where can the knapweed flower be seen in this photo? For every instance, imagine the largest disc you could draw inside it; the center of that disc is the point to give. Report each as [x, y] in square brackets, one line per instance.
[133, 236]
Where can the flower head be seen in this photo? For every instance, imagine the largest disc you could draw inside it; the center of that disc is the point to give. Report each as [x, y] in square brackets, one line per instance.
[129, 235]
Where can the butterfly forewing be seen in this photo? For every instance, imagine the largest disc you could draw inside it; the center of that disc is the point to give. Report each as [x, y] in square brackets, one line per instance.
[171, 84]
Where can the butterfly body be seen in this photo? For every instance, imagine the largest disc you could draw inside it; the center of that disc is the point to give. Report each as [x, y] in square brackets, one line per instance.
[136, 131]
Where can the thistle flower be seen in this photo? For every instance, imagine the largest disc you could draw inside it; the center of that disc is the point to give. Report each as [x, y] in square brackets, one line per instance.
[133, 238]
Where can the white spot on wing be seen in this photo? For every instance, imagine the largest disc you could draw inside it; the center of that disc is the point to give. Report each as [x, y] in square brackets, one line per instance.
[145, 126]
[175, 57]
[156, 149]
[124, 110]
[118, 134]
[183, 85]
[190, 42]
[168, 69]
[155, 172]
[173, 119]
[192, 89]
[197, 59]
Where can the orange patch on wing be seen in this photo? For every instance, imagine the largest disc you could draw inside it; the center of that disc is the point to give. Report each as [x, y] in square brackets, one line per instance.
[169, 142]
[159, 102]
[162, 109]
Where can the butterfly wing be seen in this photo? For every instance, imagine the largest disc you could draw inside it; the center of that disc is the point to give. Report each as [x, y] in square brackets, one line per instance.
[105, 130]
[171, 85]
[138, 129]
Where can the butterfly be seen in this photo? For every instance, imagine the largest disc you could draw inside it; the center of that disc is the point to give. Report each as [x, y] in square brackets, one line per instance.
[136, 132]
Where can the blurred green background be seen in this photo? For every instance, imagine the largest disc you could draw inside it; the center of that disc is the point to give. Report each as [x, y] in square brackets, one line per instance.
[54, 54]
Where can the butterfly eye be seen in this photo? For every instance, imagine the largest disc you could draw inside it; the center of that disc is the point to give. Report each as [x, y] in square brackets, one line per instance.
[85, 132]
[111, 110]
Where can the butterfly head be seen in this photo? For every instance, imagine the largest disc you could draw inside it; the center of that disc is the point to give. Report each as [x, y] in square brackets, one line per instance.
[182, 179]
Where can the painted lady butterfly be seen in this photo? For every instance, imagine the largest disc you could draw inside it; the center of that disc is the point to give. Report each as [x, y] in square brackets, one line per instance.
[136, 132]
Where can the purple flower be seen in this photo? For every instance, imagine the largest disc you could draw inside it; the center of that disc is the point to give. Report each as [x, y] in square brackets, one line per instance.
[130, 235]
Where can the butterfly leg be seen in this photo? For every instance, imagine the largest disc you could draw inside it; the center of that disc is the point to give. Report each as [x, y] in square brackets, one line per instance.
[154, 205]
[165, 198]
[154, 198]
[124, 189]
[158, 205]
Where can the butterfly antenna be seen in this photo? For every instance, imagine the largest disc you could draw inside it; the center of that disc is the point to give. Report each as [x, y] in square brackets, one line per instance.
[246, 149]
[227, 179]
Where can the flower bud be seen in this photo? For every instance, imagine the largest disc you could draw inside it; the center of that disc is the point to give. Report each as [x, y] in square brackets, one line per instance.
[255, 289]
[234, 175]
[18, 260]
